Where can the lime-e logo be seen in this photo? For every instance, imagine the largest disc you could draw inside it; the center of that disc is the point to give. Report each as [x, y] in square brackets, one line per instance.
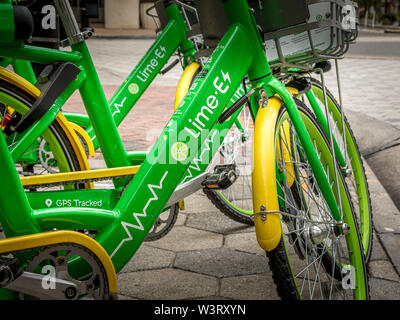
[179, 151]
[133, 88]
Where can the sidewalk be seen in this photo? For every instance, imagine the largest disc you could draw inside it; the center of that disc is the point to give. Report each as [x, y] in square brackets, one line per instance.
[380, 28]
[102, 33]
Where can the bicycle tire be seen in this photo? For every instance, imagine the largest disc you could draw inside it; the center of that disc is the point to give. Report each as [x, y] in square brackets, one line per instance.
[361, 200]
[67, 160]
[233, 204]
[298, 244]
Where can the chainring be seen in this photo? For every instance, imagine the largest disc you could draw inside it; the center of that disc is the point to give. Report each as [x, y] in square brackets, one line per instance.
[94, 285]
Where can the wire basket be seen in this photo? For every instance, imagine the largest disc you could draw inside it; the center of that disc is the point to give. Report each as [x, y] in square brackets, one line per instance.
[297, 33]
[326, 34]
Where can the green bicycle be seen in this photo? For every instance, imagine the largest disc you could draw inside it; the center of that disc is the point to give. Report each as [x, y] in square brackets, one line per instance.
[235, 202]
[63, 152]
[303, 212]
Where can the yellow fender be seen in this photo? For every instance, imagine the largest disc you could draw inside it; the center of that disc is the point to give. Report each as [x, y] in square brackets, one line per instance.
[182, 89]
[85, 136]
[68, 128]
[268, 230]
[184, 83]
[55, 237]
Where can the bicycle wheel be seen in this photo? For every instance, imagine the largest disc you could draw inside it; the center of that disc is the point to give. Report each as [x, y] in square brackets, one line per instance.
[355, 177]
[236, 201]
[52, 152]
[314, 258]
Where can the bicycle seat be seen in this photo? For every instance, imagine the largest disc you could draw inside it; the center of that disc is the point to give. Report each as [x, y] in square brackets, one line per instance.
[23, 23]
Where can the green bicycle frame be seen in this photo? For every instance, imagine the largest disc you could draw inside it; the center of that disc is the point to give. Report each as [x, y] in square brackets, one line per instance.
[122, 229]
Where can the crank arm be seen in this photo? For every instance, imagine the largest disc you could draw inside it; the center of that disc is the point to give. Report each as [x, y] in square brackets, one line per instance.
[41, 286]
[186, 189]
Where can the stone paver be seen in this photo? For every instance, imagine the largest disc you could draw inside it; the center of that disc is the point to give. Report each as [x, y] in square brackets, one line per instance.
[246, 242]
[117, 58]
[386, 215]
[367, 87]
[215, 221]
[182, 238]
[147, 125]
[253, 287]
[198, 202]
[384, 135]
[382, 269]
[391, 243]
[386, 166]
[377, 253]
[147, 258]
[384, 289]
[181, 220]
[221, 262]
[170, 284]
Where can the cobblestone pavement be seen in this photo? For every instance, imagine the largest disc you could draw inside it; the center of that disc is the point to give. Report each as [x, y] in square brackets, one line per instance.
[208, 255]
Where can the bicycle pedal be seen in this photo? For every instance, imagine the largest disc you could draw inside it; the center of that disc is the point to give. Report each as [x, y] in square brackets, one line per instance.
[222, 177]
[9, 270]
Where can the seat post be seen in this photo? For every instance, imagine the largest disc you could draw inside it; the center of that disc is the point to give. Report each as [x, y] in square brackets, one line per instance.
[64, 10]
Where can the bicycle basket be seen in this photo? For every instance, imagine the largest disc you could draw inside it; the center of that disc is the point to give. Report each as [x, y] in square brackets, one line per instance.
[273, 15]
[324, 36]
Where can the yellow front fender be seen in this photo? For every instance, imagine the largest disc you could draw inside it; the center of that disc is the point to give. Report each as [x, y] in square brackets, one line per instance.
[181, 90]
[184, 83]
[265, 198]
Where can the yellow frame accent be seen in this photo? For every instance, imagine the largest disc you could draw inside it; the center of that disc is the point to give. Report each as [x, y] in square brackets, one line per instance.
[76, 144]
[56, 237]
[78, 175]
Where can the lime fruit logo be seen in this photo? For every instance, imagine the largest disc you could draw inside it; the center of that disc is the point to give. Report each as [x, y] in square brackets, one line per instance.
[133, 88]
[179, 151]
